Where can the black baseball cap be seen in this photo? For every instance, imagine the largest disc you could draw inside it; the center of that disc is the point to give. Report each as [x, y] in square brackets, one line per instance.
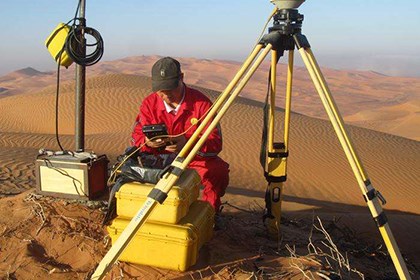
[165, 74]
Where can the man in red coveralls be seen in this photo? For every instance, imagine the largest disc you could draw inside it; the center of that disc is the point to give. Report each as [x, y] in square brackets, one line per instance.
[179, 107]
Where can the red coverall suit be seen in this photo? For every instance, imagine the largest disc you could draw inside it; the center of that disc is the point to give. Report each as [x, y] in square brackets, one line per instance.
[214, 172]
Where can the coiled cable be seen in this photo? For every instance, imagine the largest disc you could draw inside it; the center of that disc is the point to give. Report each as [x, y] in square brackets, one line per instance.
[77, 53]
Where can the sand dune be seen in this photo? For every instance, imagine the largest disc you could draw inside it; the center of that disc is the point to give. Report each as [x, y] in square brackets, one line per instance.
[319, 179]
[112, 104]
[402, 116]
[357, 93]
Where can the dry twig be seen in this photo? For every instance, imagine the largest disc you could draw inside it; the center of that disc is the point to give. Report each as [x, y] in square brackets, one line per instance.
[39, 212]
[335, 253]
[335, 260]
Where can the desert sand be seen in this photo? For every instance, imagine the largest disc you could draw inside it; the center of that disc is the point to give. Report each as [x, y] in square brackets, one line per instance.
[365, 98]
[44, 237]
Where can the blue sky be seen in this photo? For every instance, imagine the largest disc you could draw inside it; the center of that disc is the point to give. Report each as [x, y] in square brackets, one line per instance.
[344, 34]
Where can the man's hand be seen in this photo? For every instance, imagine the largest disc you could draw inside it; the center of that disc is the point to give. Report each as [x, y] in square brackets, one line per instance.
[156, 143]
[175, 144]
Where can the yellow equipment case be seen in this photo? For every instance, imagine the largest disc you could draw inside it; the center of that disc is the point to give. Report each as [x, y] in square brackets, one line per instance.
[55, 45]
[164, 245]
[131, 197]
[200, 218]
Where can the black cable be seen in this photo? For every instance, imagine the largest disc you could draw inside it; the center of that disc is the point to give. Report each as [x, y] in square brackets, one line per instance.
[57, 93]
[56, 100]
[79, 55]
[77, 10]
[64, 172]
[72, 44]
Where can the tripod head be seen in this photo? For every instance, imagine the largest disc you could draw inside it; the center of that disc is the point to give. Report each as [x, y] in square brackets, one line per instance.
[287, 22]
[287, 4]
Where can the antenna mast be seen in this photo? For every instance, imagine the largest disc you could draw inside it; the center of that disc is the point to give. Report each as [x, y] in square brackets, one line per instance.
[81, 85]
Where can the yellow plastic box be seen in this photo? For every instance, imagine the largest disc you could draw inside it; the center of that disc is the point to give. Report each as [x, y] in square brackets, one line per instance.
[200, 219]
[55, 43]
[131, 197]
[169, 246]
[158, 244]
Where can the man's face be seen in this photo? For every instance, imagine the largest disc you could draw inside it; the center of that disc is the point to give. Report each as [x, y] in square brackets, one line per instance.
[171, 96]
[167, 95]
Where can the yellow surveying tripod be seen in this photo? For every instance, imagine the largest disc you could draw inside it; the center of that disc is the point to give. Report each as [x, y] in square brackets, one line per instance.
[285, 35]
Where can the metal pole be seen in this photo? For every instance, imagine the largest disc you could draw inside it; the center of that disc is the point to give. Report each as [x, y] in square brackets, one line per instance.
[80, 86]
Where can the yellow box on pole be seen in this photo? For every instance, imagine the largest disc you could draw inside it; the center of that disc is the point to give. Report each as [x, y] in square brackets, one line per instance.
[55, 44]
[169, 246]
[132, 195]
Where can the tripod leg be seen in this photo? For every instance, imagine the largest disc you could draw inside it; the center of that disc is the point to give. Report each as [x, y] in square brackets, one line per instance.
[276, 167]
[288, 107]
[159, 192]
[371, 196]
[273, 170]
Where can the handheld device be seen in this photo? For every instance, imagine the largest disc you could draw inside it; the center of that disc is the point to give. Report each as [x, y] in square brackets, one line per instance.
[153, 130]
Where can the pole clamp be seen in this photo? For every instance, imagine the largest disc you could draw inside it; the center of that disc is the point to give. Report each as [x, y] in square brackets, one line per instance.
[175, 167]
[157, 195]
[275, 179]
[372, 193]
[381, 219]
[176, 171]
[278, 146]
[278, 155]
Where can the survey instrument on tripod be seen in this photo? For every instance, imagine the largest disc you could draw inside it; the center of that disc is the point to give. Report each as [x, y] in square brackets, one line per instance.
[284, 35]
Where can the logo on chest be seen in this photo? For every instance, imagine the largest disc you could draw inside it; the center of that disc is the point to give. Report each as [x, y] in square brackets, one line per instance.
[194, 121]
